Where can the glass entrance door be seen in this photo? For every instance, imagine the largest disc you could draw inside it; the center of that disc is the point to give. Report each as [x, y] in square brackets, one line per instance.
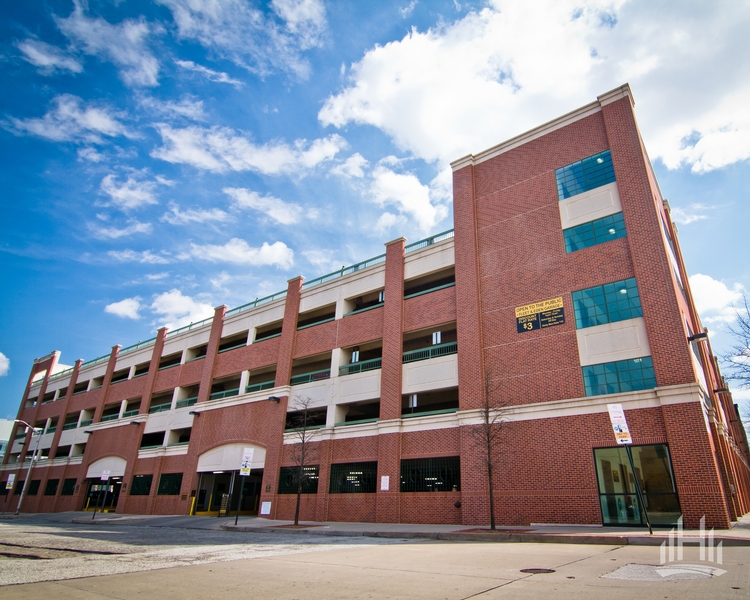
[617, 492]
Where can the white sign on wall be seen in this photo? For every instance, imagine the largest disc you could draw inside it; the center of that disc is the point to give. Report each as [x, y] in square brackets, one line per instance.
[619, 424]
[385, 483]
[247, 459]
[265, 508]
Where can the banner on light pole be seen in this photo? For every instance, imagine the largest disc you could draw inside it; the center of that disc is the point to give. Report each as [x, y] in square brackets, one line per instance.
[619, 424]
[247, 460]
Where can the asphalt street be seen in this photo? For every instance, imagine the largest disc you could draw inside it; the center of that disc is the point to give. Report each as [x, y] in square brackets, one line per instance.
[66, 561]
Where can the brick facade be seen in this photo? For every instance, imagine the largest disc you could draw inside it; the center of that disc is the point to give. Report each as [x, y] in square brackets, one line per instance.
[507, 251]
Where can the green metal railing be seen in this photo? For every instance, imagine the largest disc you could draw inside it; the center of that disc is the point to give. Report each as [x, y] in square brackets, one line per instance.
[189, 327]
[357, 422]
[110, 417]
[159, 408]
[256, 302]
[138, 346]
[320, 322]
[345, 271]
[438, 237]
[86, 422]
[426, 413]
[224, 394]
[429, 291]
[69, 426]
[359, 367]
[361, 310]
[186, 402]
[130, 413]
[95, 361]
[310, 377]
[242, 345]
[430, 352]
[258, 387]
[59, 375]
[51, 429]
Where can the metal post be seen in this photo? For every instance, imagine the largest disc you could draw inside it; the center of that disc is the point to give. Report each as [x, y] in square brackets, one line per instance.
[239, 504]
[104, 499]
[638, 492]
[31, 464]
[231, 490]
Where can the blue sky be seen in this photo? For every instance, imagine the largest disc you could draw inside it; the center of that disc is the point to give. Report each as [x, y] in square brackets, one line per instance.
[161, 158]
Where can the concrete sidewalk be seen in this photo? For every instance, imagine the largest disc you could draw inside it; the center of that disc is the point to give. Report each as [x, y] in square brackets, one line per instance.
[738, 535]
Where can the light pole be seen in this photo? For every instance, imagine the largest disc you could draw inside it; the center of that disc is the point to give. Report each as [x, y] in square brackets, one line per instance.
[31, 464]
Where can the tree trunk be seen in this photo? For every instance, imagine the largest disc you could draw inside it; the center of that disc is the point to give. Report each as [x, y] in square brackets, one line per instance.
[491, 487]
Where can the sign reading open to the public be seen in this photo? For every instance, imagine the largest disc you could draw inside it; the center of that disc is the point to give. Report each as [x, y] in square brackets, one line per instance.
[539, 315]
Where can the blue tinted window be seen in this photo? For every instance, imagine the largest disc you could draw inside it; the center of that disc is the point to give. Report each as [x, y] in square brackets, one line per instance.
[594, 232]
[587, 174]
[607, 303]
[620, 376]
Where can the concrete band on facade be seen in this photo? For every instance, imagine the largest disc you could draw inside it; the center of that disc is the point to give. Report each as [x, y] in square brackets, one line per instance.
[212, 390]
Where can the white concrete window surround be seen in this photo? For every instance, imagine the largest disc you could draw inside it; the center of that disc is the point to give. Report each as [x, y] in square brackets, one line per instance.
[611, 342]
[594, 204]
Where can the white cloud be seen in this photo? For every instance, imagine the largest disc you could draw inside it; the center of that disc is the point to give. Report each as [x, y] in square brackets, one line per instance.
[237, 251]
[713, 299]
[408, 195]
[177, 217]
[220, 149]
[285, 213]
[387, 221]
[186, 107]
[322, 259]
[211, 75]
[124, 44]
[127, 308]
[90, 154]
[406, 11]
[4, 365]
[219, 282]
[352, 167]
[48, 58]
[252, 39]
[691, 214]
[145, 257]
[130, 194]
[465, 86]
[157, 276]
[69, 120]
[113, 233]
[175, 309]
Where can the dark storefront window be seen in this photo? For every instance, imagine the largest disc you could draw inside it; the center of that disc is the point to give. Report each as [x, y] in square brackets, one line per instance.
[351, 478]
[288, 480]
[141, 485]
[169, 484]
[431, 474]
[617, 492]
[69, 486]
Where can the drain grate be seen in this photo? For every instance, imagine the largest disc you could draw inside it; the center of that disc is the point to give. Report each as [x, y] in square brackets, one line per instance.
[537, 571]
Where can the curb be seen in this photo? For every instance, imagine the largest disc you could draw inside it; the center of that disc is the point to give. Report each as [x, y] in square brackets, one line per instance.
[457, 536]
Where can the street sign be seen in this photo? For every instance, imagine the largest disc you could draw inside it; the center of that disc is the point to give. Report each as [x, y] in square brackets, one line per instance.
[247, 460]
[9, 483]
[619, 424]
[105, 475]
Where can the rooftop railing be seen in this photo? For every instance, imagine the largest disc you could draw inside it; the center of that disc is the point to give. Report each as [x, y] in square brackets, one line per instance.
[438, 237]
[256, 302]
[60, 375]
[190, 326]
[138, 346]
[345, 271]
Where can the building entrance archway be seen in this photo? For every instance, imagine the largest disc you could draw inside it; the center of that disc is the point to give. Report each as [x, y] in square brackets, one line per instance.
[221, 488]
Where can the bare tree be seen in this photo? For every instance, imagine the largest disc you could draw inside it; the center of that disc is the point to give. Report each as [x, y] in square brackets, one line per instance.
[487, 436]
[737, 360]
[303, 423]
